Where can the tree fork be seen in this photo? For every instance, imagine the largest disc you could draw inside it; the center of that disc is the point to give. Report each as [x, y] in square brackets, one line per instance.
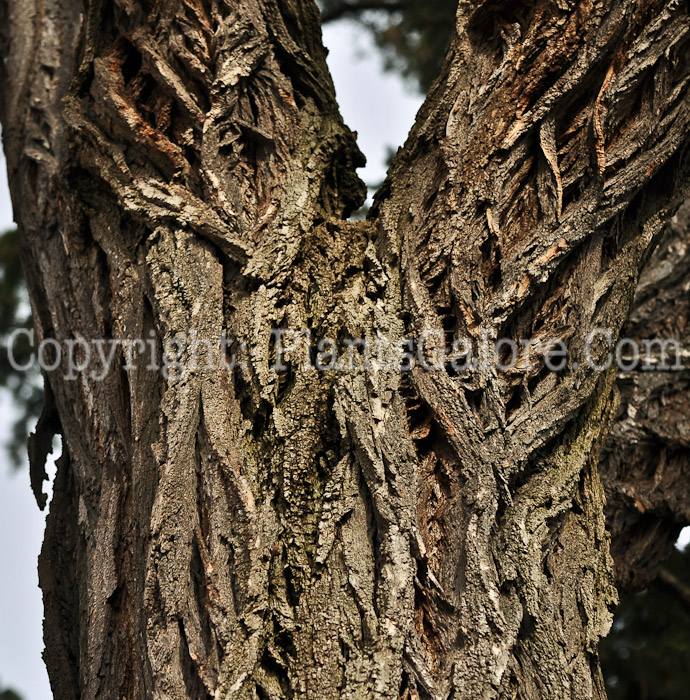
[278, 531]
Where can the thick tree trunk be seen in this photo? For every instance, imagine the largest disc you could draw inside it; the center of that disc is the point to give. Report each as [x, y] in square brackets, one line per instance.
[283, 532]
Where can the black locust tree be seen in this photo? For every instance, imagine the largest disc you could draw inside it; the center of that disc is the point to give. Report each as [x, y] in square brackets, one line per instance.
[267, 523]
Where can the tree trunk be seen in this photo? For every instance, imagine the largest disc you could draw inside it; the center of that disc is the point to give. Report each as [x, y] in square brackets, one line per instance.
[645, 465]
[278, 531]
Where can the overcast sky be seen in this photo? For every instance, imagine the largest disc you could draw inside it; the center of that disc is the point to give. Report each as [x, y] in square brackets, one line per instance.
[381, 109]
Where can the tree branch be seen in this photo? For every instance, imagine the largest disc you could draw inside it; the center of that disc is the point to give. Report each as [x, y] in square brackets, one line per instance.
[331, 14]
[645, 462]
[672, 583]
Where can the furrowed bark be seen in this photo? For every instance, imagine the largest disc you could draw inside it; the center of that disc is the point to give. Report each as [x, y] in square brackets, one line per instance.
[37, 45]
[524, 204]
[277, 531]
[645, 464]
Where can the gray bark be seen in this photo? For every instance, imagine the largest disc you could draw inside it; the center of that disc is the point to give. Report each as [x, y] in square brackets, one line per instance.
[302, 534]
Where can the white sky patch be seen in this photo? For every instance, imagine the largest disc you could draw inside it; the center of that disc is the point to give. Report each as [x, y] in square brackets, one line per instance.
[21, 607]
[378, 105]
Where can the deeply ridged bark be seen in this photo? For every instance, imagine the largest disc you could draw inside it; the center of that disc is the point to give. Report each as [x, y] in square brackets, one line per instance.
[645, 465]
[281, 532]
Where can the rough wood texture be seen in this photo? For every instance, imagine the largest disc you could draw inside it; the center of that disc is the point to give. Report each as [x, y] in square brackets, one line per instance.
[289, 533]
[645, 465]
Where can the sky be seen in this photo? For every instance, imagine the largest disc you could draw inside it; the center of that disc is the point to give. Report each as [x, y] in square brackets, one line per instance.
[381, 109]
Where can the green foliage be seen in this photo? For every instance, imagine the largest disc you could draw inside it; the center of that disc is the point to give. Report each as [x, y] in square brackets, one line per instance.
[413, 36]
[15, 313]
[9, 694]
[647, 654]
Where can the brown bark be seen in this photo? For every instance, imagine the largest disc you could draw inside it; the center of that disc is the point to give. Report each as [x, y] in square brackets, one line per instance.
[645, 465]
[290, 533]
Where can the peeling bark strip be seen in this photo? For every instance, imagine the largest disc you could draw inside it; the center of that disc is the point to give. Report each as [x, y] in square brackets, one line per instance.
[296, 534]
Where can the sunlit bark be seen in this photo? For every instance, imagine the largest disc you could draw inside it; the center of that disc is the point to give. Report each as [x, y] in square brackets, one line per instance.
[283, 532]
